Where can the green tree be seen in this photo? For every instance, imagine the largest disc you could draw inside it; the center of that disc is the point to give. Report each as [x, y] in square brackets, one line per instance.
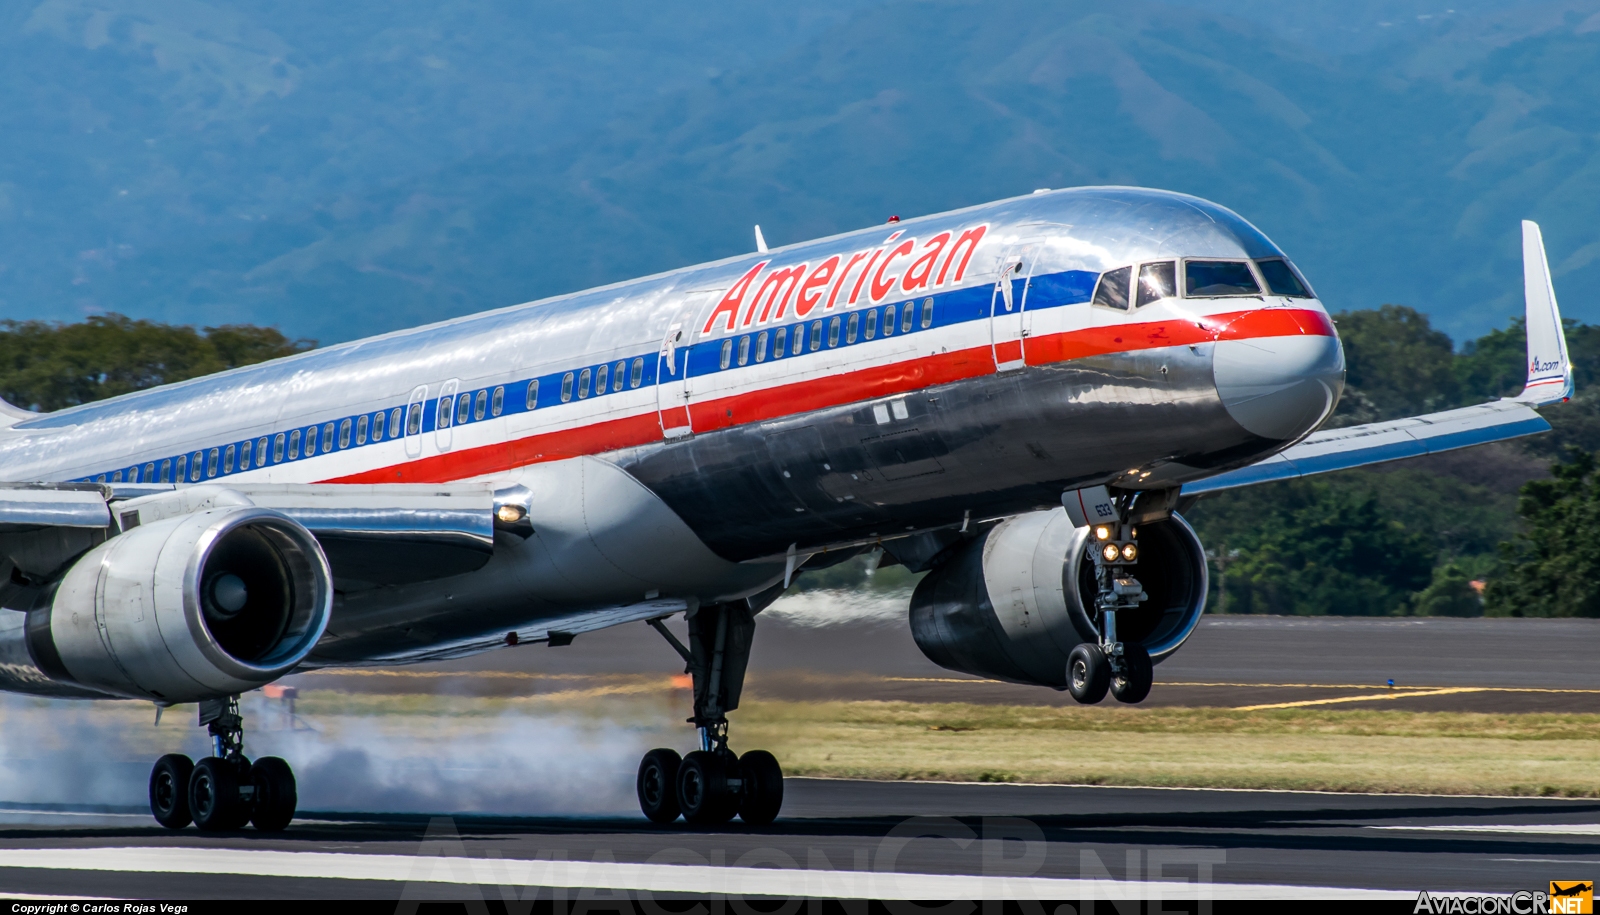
[1310, 548]
[47, 366]
[1396, 364]
[1552, 568]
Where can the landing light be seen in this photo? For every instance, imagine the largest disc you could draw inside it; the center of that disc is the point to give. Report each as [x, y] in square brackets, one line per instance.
[1130, 552]
[510, 514]
[1109, 552]
[1102, 533]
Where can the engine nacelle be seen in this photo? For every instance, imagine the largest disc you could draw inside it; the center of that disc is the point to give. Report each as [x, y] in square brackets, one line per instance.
[188, 608]
[1012, 603]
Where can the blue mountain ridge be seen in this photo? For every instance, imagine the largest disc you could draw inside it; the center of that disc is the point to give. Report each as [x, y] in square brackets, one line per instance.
[347, 170]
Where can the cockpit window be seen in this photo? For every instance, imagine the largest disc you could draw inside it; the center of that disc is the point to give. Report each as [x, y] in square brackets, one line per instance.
[1113, 289]
[1218, 278]
[1157, 282]
[1282, 279]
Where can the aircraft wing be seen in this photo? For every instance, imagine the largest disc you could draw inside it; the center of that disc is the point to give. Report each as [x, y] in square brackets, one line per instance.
[375, 534]
[1549, 381]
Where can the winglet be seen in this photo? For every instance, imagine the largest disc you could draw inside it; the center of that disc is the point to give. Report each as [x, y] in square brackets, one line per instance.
[761, 242]
[1549, 366]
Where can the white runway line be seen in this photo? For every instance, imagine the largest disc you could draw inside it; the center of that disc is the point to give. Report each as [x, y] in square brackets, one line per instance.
[659, 878]
[1553, 829]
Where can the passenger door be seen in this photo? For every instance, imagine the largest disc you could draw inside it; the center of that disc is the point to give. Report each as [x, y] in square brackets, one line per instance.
[1006, 323]
[672, 385]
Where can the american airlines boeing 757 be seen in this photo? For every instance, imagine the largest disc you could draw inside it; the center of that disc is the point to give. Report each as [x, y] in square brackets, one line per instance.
[1019, 398]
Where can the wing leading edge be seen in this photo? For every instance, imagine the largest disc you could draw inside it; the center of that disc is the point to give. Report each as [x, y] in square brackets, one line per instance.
[1549, 381]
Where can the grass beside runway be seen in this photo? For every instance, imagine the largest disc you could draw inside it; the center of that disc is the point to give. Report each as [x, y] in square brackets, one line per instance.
[1294, 748]
[1325, 749]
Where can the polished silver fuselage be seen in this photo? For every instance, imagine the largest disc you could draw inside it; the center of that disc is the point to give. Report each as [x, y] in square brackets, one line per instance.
[702, 469]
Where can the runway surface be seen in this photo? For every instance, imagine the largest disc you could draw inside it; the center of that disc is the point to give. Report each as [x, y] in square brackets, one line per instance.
[1499, 665]
[846, 838]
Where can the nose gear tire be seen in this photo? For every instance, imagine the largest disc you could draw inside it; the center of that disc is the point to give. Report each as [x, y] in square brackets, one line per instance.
[762, 794]
[1138, 674]
[214, 795]
[657, 785]
[703, 790]
[1088, 674]
[276, 797]
[169, 790]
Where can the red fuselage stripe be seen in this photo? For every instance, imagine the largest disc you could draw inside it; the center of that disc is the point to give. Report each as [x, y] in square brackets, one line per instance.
[825, 391]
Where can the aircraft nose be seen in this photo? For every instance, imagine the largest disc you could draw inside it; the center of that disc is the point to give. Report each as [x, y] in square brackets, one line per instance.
[1281, 386]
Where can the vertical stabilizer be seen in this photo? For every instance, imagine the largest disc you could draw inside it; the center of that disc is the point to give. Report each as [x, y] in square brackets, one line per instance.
[1549, 366]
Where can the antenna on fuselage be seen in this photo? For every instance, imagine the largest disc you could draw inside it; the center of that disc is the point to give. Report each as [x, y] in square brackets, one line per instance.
[761, 243]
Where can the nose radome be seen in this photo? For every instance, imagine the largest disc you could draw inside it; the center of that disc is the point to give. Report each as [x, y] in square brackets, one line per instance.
[1279, 387]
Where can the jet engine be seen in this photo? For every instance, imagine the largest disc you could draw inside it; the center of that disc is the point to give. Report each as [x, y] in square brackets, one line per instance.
[1012, 603]
[194, 607]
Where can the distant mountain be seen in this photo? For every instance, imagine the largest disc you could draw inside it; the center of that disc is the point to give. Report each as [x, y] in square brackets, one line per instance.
[347, 169]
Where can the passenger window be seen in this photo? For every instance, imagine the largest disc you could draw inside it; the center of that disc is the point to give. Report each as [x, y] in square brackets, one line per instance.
[414, 419]
[480, 405]
[344, 432]
[116, 477]
[533, 391]
[327, 438]
[261, 452]
[463, 408]
[927, 313]
[100, 479]
[780, 339]
[377, 426]
[166, 471]
[907, 315]
[446, 408]
[311, 440]
[1209, 279]
[277, 448]
[602, 378]
[497, 403]
[744, 349]
[294, 445]
[851, 327]
[616, 376]
[194, 467]
[212, 462]
[1157, 282]
[761, 347]
[799, 339]
[150, 472]
[636, 374]
[566, 387]
[833, 332]
[816, 335]
[727, 354]
[888, 320]
[871, 330]
[1282, 279]
[227, 458]
[583, 383]
[1112, 292]
[361, 428]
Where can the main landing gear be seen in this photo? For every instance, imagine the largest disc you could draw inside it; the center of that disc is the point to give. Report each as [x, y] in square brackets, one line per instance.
[712, 784]
[1122, 668]
[224, 790]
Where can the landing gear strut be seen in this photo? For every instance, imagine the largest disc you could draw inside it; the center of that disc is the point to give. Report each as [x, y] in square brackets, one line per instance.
[1122, 668]
[712, 784]
[222, 791]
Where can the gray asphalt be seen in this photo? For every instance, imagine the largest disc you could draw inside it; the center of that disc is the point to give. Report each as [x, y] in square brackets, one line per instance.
[1301, 839]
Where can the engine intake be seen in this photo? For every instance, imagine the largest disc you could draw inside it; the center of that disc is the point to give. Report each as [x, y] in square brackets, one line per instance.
[194, 607]
[1013, 602]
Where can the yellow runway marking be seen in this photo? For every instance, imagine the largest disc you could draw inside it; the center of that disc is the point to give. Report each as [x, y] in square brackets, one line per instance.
[1411, 694]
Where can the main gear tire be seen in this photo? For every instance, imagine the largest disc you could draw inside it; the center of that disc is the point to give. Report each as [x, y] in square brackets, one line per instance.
[214, 797]
[169, 790]
[1138, 674]
[761, 796]
[703, 789]
[657, 785]
[1088, 674]
[276, 796]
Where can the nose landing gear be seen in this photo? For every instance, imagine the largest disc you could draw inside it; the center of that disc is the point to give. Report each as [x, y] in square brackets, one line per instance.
[712, 784]
[1122, 668]
[223, 791]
